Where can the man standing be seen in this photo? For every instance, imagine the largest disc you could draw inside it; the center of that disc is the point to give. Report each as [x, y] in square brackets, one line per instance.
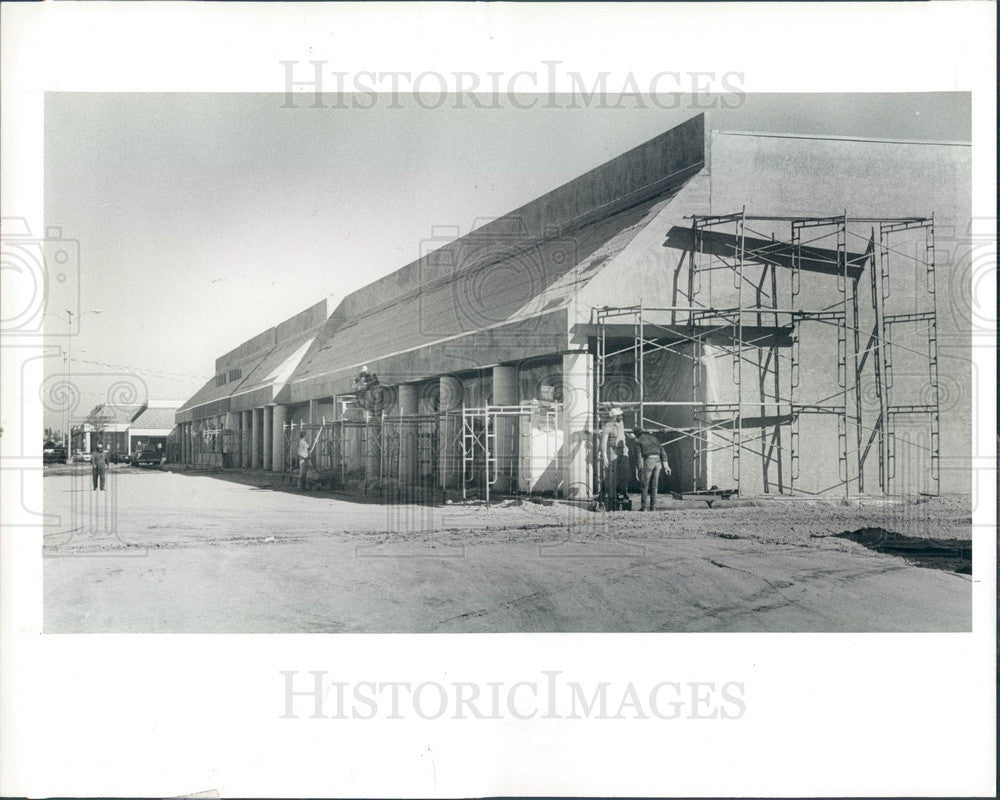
[654, 458]
[612, 449]
[305, 453]
[99, 467]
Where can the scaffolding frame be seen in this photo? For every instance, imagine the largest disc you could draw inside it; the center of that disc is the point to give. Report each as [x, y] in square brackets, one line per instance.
[483, 465]
[471, 433]
[752, 330]
[214, 448]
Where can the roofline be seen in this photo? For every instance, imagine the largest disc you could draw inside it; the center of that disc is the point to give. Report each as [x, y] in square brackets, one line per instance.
[310, 335]
[449, 338]
[873, 140]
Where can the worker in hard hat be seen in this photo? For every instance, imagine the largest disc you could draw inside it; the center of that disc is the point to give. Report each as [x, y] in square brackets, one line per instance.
[612, 449]
[364, 381]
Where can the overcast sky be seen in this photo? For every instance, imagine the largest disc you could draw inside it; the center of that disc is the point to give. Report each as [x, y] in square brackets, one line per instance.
[204, 219]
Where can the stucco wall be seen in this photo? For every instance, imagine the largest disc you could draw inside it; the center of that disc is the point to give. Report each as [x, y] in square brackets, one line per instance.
[809, 176]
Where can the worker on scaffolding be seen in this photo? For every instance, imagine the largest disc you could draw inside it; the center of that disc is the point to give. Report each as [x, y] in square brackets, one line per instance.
[653, 455]
[363, 384]
[613, 457]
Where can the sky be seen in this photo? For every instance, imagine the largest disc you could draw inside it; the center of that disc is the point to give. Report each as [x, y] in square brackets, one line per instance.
[204, 219]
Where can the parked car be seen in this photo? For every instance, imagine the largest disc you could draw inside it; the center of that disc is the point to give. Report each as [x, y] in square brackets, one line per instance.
[81, 457]
[54, 455]
[119, 457]
[147, 457]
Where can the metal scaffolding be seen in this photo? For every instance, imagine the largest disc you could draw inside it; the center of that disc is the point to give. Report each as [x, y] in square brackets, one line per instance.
[480, 451]
[496, 441]
[745, 303]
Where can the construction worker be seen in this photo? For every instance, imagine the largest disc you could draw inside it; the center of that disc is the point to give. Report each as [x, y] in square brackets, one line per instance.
[612, 449]
[654, 458]
[305, 453]
[99, 467]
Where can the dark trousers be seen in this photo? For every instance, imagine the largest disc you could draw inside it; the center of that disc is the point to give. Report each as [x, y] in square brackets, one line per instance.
[650, 480]
[98, 474]
[616, 479]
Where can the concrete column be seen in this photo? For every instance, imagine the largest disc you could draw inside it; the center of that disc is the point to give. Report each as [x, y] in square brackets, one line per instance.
[246, 425]
[313, 411]
[256, 426]
[86, 437]
[278, 438]
[188, 455]
[712, 359]
[506, 393]
[577, 458]
[267, 448]
[408, 406]
[450, 432]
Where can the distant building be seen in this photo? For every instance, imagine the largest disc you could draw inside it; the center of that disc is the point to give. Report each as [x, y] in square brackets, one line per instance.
[124, 428]
[152, 427]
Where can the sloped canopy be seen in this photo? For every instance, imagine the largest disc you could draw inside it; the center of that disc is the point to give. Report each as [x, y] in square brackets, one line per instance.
[501, 292]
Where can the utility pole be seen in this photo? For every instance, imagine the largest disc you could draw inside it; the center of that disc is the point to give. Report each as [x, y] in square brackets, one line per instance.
[69, 380]
[69, 409]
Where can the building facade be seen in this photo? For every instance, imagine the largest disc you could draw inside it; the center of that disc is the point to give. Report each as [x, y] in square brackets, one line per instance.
[233, 420]
[775, 308]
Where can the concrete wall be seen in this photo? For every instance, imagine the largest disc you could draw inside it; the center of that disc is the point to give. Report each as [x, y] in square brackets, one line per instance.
[804, 176]
[781, 175]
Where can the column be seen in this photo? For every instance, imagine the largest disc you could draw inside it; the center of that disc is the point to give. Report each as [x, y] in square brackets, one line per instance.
[256, 424]
[577, 443]
[313, 412]
[712, 359]
[86, 436]
[450, 431]
[278, 450]
[408, 406]
[506, 393]
[267, 445]
[246, 433]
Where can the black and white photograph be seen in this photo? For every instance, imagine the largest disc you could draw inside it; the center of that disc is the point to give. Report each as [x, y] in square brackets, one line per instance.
[716, 380]
[590, 360]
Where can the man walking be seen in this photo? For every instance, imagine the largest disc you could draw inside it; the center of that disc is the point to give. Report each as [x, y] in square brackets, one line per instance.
[305, 453]
[654, 458]
[99, 467]
[612, 449]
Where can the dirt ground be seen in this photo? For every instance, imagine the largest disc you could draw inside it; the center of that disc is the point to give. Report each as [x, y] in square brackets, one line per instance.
[165, 551]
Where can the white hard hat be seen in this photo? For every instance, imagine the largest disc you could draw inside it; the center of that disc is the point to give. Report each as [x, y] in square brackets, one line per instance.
[615, 411]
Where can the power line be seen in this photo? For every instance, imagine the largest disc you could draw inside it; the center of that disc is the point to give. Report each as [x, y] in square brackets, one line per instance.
[140, 370]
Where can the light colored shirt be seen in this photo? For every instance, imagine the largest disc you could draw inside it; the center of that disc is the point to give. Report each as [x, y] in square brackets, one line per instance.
[612, 438]
[303, 448]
